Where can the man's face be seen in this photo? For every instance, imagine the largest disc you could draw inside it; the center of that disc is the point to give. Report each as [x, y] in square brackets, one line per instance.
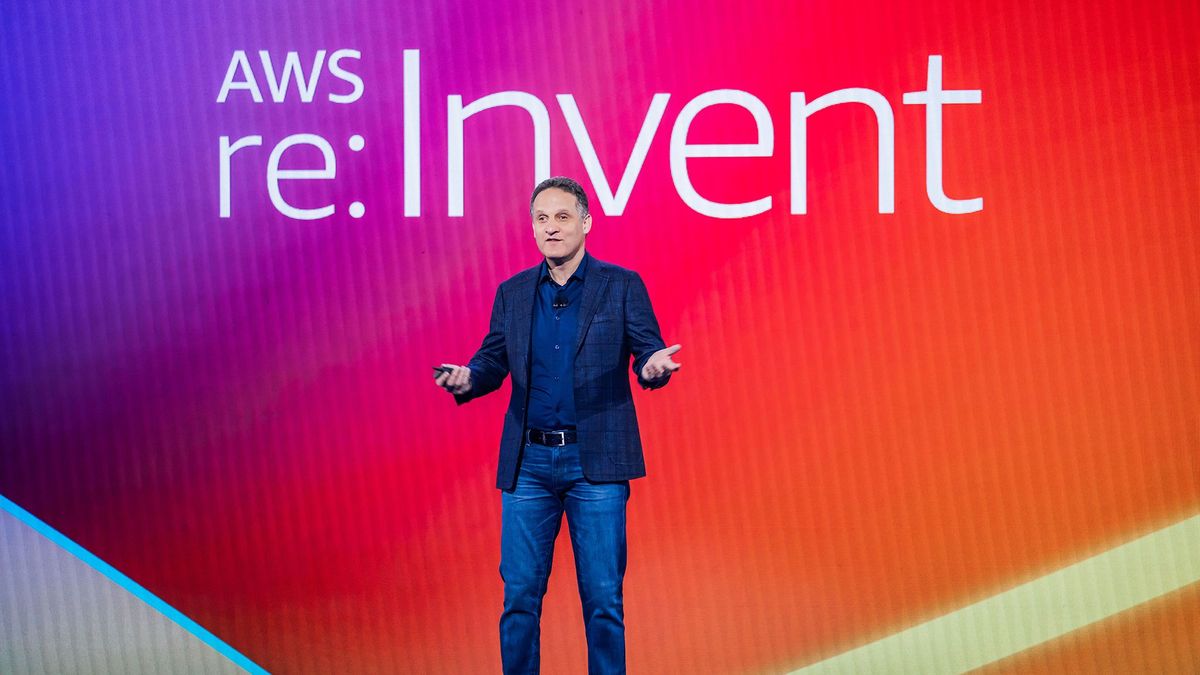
[557, 227]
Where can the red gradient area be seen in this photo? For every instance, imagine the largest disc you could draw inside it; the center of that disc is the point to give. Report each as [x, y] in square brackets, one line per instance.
[880, 417]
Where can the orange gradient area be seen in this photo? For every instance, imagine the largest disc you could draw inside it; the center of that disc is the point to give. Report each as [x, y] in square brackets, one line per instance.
[880, 420]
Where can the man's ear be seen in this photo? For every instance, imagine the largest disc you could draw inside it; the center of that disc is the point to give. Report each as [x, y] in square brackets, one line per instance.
[587, 223]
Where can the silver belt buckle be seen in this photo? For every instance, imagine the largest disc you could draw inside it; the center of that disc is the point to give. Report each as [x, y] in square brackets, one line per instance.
[549, 438]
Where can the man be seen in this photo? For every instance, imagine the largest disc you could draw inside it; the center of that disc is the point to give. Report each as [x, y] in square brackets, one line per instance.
[566, 329]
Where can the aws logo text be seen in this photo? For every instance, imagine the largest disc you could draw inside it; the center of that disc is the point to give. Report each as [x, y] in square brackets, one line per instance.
[240, 80]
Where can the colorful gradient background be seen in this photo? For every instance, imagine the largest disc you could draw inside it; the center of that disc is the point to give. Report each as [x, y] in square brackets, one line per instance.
[880, 418]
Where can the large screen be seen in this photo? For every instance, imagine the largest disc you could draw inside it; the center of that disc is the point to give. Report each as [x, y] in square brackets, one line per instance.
[934, 267]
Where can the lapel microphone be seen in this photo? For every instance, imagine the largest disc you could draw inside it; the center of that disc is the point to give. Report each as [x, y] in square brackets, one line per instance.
[560, 300]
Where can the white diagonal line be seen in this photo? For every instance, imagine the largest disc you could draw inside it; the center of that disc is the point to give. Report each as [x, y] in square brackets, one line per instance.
[1034, 612]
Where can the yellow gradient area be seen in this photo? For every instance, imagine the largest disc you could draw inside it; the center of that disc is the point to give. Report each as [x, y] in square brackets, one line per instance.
[1035, 612]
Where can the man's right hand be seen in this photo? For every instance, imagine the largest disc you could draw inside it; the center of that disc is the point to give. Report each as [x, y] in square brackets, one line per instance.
[457, 381]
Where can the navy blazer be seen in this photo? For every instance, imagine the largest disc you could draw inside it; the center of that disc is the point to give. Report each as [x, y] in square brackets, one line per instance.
[616, 322]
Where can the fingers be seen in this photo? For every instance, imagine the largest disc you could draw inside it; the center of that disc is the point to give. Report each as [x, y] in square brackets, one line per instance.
[460, 380]
[456, 381]
[656, 368]
[660, 363]
[443, 378]
[657, 371]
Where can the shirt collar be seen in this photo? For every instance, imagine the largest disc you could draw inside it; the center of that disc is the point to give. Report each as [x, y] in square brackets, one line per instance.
[580, 272]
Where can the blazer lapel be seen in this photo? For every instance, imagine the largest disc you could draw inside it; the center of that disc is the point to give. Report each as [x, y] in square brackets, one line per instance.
[593, 289]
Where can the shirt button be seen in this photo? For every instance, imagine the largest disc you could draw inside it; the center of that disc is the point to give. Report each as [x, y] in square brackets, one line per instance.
[557, 317]
[556, 346]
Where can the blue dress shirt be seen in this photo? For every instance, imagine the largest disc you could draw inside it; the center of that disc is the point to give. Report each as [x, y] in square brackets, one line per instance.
[552, 379]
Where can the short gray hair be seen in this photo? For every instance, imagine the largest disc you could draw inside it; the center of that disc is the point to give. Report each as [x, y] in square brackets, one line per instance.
[565, 184]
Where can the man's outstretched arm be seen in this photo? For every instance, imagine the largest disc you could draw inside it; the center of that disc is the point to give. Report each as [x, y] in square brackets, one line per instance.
[651, 357]
[487, 369]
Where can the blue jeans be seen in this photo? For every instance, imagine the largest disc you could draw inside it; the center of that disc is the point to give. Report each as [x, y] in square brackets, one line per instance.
[550, 481]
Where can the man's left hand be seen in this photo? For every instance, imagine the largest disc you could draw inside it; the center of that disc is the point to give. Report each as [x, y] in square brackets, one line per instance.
[660, 363]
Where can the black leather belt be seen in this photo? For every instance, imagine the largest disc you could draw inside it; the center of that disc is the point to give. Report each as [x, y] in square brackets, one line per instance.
[556, 437]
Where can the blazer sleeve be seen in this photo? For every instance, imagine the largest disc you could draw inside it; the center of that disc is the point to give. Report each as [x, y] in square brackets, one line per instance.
[489, 366]
[642, 329]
